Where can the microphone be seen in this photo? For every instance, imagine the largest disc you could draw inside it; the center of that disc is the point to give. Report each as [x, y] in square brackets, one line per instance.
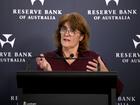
[71, 55]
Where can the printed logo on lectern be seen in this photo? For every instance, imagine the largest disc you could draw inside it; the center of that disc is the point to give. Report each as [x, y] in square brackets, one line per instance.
[41, 1]
[116, 1]
[136, 43]
[31, 103]
[7, 41]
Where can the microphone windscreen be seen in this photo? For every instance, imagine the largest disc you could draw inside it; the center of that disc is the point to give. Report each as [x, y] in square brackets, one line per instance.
[71, 55]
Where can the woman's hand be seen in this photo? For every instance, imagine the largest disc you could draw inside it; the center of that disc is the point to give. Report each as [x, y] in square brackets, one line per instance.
[95, 65]
[43, 63]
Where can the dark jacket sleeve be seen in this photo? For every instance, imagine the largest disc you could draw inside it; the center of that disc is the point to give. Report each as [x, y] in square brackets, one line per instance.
[119, 87]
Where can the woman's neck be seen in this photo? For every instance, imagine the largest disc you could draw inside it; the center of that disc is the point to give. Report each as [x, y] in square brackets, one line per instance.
[67, 52]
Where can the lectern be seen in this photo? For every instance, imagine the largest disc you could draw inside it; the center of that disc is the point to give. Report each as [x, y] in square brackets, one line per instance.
[67, 88]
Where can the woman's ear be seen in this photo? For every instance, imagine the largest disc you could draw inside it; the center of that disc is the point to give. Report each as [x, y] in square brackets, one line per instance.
[81, 37]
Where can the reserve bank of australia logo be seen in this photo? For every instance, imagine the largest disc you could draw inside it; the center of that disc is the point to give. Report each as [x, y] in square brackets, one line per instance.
[33, 1]
[136, 43]
[116, 1]
[6, 41]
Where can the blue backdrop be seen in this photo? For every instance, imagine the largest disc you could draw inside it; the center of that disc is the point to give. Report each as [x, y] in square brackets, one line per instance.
[27, 28]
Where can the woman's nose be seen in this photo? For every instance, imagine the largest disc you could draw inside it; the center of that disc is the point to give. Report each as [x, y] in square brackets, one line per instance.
[67, 33]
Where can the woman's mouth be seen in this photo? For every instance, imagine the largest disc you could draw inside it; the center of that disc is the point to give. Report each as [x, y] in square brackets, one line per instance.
[66, 39]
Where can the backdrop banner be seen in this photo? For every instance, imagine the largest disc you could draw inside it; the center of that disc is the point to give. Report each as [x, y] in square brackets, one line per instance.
[27, 28]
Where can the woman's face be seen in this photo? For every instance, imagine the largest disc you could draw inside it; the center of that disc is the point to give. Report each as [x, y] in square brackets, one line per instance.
[70, 38]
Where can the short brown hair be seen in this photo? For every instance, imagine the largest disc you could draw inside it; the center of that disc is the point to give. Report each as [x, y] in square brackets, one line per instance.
[78, 22]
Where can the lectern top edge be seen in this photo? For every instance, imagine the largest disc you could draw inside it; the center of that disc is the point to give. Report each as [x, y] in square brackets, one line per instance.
[113, 73]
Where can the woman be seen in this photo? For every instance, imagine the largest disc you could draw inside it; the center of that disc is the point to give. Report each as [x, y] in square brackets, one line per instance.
[72, 52]
[72, 37]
